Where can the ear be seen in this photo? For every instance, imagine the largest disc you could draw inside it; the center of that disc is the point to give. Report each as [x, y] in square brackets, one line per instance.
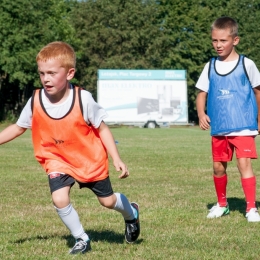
[236, 40]
[71, 73]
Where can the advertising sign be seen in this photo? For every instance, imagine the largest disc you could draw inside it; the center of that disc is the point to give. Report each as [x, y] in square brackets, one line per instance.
[143, 95]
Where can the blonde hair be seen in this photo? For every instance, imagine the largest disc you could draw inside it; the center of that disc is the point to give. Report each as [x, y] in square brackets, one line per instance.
[226, 22]
[60, 51]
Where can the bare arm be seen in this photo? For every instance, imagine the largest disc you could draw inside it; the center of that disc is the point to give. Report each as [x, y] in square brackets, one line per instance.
[109, 142]
[10, 133]
[204, 120]
[257, 96]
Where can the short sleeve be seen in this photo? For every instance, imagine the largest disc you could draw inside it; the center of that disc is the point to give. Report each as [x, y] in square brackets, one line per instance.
[92, 112]
[25, 118]
[252, 72]
[203, 81]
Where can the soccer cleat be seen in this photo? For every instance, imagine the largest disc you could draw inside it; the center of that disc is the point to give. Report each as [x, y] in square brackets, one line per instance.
[252, 215]
[81, 246]
[217, 211]
[132, 228]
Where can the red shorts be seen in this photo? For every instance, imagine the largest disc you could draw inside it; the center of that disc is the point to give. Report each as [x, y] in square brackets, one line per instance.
[223, 147]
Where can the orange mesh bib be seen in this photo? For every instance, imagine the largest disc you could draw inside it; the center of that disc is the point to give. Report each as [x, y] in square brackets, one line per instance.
[68, 144]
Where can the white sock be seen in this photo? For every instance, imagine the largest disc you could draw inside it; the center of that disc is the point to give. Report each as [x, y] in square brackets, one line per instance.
[70, 218]
[124, 207]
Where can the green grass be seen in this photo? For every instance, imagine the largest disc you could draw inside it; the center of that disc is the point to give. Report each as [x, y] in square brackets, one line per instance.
[170, 179]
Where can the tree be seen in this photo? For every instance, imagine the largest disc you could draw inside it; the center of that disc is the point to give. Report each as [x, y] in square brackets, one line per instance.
[114, 34]
[25, 27]
[120, 34]
[187, 25]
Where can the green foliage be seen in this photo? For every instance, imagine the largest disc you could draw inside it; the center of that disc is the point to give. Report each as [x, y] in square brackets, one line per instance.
[155, 35]
[187, 24]
[117, 34]
[248, 29]
[114, 34]
[25, 27]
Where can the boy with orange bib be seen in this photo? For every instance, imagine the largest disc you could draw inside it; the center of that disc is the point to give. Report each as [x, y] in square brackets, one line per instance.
[231, 85]
[71, 142]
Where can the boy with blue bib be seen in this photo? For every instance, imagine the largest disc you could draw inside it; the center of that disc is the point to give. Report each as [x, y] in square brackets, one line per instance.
[230, 85]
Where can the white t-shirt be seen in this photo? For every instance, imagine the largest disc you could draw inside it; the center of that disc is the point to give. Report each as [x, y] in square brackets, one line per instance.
[223, 68]
[92, 112]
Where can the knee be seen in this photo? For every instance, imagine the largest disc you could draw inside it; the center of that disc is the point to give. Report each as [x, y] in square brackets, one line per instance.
[219, 173]
[108, 202]
[60, 201]
[244, 164]
[219, 169]
[107, 205]
[61, 198]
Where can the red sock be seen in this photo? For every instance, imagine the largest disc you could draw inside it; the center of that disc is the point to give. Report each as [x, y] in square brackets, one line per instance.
[249, 187]
[221, 187]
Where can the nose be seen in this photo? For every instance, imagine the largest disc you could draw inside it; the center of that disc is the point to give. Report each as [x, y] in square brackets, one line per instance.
[218, 44]
[45, 77]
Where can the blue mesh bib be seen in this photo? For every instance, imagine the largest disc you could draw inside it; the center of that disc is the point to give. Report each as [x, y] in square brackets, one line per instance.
[231, 103]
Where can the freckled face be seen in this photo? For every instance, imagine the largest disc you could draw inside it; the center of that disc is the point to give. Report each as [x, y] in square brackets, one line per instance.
[54, 78]
[223, 42]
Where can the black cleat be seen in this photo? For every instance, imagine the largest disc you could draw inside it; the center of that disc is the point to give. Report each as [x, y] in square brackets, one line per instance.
[81, 246]
[132, 227]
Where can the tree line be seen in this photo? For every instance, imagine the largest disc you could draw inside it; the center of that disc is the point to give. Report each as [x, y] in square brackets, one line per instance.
[115, 34]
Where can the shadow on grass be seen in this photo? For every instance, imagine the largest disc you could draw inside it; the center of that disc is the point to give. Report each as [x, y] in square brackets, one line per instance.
[23, 240]
[104, 235]
[235, 204]
[95, 236]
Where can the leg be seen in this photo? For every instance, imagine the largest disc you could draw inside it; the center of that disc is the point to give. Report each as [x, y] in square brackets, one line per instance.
[67, 213]
[222, 152]
[108, 202]
[70, 218]
[130, 212]
[245, 151]
[248, 181]
[107, 198]
[245, 168]
[220, 182]
[60, 186]
[60, 198]
[119, 203]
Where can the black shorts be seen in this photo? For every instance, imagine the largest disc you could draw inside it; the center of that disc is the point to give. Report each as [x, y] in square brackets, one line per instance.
[101, 188]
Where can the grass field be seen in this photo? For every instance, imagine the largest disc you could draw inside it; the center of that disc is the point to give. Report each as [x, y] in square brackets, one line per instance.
[171, 180]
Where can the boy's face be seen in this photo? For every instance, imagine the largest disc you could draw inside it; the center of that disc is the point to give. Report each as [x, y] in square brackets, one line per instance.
[223, 42]
[54, 78]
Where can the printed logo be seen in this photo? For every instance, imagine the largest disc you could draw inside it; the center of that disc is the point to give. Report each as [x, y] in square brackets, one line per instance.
[247, 150]
[59, 144]
[224, 92]
[58, 141]
[54, 175]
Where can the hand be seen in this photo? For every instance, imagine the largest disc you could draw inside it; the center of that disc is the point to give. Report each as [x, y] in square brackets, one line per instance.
[204, 122]
[120, 166]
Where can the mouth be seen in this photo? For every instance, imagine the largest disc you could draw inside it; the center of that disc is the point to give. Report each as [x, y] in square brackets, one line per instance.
[47, 87]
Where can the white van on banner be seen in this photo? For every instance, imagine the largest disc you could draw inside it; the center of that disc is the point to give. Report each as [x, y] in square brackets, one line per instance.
[141, 96]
